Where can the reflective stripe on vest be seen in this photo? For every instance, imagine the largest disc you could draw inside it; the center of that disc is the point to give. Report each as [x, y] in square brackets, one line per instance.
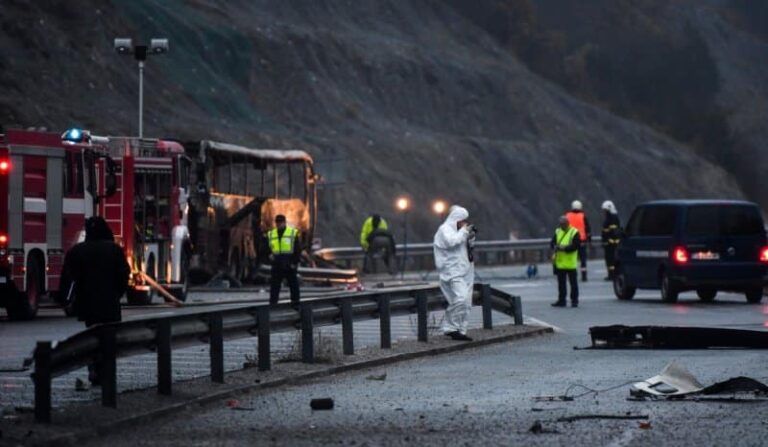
[577, 221]
[284, 245]
[565, 260]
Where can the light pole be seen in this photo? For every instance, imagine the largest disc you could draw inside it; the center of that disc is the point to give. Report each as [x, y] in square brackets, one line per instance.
[140, 53]
[403, 204]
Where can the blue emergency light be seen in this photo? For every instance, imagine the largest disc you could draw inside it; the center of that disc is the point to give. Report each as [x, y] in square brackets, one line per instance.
[75, 136]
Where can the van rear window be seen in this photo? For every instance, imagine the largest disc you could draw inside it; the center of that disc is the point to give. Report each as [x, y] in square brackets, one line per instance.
[723, 220]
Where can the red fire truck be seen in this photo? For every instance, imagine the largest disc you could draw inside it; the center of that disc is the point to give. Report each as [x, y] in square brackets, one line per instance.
[50, 184]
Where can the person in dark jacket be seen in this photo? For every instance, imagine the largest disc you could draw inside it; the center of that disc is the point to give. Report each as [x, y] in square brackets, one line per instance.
[611, 236]
[285, 255]
[95, 275]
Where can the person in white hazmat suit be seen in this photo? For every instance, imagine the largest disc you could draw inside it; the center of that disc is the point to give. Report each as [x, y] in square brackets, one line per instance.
[456, 270]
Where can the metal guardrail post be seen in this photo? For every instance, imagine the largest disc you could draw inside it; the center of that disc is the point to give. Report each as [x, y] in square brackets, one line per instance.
[347, 334]
[163, 340]
[42, 378]
[385, 322]
[216, 341]
[107, 366]
[422, 315]
[485, 299]
[262, 321]
[307, 336]
[517, 309]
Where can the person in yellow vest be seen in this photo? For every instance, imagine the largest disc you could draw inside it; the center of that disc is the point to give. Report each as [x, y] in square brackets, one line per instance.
[566, 243]
[285, 254]
[375, 238]
[578, 220]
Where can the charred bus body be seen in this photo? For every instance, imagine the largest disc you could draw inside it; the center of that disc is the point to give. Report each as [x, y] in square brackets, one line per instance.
[235, 194]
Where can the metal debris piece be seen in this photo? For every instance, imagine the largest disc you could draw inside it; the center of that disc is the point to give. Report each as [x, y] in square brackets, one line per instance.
[671, 337]
[381, 377]
[323, 403]
[675, 381]
[581, 417]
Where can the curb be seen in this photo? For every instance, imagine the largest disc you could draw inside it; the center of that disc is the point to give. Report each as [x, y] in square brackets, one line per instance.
[73, 438]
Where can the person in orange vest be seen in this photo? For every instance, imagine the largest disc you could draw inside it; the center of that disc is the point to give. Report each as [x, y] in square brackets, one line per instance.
[578, 220]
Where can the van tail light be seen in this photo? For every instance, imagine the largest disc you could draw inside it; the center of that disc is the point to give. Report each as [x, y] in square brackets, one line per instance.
[680, 255]
[764, 254]
[5, 166]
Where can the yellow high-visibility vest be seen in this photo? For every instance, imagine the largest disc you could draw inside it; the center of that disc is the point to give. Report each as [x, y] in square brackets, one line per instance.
[283, 245]
[368, 229]
[565, 260]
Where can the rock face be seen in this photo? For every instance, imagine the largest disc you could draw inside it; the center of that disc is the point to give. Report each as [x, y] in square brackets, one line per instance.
[390, 97]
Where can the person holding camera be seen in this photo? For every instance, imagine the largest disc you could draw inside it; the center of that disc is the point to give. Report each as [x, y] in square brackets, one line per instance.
[565, 243]
[453, 244]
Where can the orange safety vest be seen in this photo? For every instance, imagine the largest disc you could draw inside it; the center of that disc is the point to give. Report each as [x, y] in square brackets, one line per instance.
[577, 221]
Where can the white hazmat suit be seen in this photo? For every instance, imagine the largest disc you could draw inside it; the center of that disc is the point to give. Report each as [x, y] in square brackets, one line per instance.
[457, 273]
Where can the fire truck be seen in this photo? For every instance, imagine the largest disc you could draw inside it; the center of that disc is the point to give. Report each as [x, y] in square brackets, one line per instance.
[50, 183]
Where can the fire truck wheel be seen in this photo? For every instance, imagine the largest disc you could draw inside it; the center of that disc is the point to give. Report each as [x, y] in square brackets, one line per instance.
[24, 307]
[139, 296]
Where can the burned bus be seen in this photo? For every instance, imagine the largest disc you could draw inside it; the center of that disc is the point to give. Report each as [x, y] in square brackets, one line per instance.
[235, 194]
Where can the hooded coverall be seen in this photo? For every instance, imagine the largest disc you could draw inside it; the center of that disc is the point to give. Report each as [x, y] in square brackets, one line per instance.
[457, 273]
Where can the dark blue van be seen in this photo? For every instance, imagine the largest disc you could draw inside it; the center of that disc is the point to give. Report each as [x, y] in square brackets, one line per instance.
[701, 245]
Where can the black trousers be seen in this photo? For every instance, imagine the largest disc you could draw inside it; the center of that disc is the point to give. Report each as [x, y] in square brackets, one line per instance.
[281, 269]
[561, 287]
[610, 259]
[385, 246]
[583, 255]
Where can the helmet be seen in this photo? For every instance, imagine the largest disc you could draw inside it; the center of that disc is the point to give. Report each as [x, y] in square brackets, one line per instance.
[576, 205]
[609, 206]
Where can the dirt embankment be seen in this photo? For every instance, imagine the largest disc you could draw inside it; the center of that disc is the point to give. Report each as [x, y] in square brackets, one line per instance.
[412, 97]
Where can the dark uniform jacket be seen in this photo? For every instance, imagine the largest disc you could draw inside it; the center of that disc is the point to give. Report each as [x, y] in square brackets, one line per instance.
[100, 274]
[611, 230]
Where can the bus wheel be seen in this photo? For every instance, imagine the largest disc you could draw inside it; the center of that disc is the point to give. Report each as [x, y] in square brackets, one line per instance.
[24, 307]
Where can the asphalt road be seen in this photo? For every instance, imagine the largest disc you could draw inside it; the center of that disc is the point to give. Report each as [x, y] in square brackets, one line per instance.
[487, 396]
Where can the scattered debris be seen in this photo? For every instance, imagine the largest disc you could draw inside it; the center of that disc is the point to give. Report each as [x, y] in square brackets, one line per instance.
[670, 337]
[645, 425]
[581, 417]
[323, 403]
[537, 428]
[80, 385]
[381, 377]
[234, 404]
[676, 382]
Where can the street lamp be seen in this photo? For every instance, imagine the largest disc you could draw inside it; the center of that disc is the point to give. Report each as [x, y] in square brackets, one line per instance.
[439, 207]
[140, 53]
[403, 204]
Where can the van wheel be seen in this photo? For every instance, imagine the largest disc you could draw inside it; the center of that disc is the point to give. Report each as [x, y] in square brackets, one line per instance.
[754, 295]
[620, 287]
[669, 291]
[706, 295]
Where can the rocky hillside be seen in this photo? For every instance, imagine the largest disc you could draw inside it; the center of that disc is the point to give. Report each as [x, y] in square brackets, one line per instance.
[415, 97]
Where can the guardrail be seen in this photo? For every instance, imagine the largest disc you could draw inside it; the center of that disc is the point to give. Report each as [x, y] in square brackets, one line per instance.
[496, 252]
[106, 342]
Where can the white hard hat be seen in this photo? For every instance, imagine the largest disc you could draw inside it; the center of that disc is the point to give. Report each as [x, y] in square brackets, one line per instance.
[576, 205]
[609, 206]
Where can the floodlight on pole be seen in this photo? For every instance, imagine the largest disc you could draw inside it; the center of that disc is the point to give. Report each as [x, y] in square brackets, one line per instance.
[402, 204]
[439, 207]
[156, 47]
